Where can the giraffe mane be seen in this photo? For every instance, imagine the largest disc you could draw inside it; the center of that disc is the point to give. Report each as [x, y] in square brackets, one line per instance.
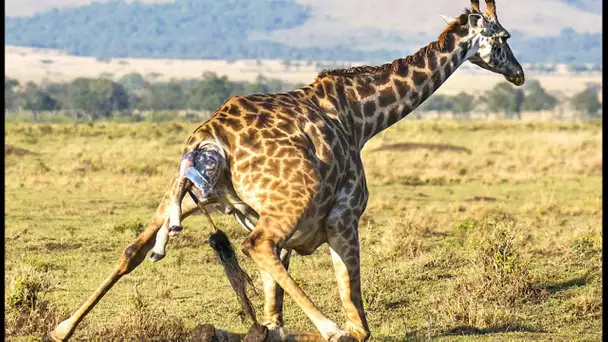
[437, 45]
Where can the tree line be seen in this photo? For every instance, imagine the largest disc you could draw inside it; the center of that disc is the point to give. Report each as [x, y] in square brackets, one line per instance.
[511, 101]
[96, 98]
[102, 97]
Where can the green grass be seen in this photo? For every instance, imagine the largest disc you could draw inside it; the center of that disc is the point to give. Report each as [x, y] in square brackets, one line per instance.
[502, 243]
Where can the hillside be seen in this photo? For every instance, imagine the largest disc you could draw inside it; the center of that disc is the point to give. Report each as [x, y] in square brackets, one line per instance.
[547, 31]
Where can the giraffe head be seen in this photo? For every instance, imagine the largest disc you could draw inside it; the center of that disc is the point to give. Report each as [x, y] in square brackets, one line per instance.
[489, 43]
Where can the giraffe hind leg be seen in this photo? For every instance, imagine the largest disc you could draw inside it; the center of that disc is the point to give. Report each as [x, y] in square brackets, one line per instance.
[200, 168]
[262, 246]
[131, 257]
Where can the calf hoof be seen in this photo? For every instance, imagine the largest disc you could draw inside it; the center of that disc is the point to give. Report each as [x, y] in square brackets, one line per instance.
[175, 230]
[256, 333]
[154, 257]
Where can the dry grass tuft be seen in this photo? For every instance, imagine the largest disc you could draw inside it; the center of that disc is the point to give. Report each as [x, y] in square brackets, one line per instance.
[135, 227]
[26, 310]
[496, 281]
[143, 323]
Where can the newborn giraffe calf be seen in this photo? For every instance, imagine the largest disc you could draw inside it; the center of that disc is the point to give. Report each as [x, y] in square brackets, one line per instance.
[204, 174]
[202, 168]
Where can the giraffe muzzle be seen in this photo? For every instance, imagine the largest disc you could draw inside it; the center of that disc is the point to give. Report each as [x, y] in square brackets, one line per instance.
[516, 78]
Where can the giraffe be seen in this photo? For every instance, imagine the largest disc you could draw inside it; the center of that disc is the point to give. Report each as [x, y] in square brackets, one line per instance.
[288, 167]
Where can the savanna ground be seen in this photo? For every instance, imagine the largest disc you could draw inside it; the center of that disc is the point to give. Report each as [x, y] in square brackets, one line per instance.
[473, 231]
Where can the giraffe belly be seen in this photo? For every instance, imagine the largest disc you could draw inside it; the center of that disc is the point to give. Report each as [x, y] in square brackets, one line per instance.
[305, 240]
[308, 237]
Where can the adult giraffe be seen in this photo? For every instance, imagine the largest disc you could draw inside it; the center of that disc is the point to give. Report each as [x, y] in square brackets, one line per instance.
[288, 166]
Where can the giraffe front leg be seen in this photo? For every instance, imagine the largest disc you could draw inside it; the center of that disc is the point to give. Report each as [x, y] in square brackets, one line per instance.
[344, 250]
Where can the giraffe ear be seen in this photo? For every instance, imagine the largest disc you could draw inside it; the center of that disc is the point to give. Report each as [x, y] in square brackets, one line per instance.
[475, 20]
[447, 19]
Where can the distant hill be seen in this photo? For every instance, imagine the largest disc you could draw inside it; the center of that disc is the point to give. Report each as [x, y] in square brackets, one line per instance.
[355, 30]
[593, 6]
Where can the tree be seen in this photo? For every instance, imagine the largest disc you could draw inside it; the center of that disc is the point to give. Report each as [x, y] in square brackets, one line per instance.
[11, 97]
[504, 98]
[439, 103]
[58, 91]
[133, 82]
[462, 103]
[536, 98]
[36, 100]
[162, 95]
[97, 96]
[211, 92]
[587, 102]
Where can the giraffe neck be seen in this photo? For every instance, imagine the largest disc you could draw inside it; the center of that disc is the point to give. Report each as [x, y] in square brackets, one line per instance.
[379, 99]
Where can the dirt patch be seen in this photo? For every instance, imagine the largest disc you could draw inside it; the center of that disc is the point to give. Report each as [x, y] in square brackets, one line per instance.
[419, 146]
[481, 199]
[10, 150]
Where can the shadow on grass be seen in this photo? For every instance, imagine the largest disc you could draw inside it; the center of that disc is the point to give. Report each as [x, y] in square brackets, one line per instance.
[470, 330]
[565, 285]
[416, 146]
[464, 330]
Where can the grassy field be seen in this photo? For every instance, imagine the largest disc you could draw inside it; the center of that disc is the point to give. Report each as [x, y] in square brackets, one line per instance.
[486, 231]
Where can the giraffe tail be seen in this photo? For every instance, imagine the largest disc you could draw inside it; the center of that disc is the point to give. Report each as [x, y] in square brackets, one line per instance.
[236, 275]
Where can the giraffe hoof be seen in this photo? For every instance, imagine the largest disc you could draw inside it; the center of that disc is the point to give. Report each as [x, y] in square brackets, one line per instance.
[343, 337]
[175, 230]
[154, 257]
[49, 337]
